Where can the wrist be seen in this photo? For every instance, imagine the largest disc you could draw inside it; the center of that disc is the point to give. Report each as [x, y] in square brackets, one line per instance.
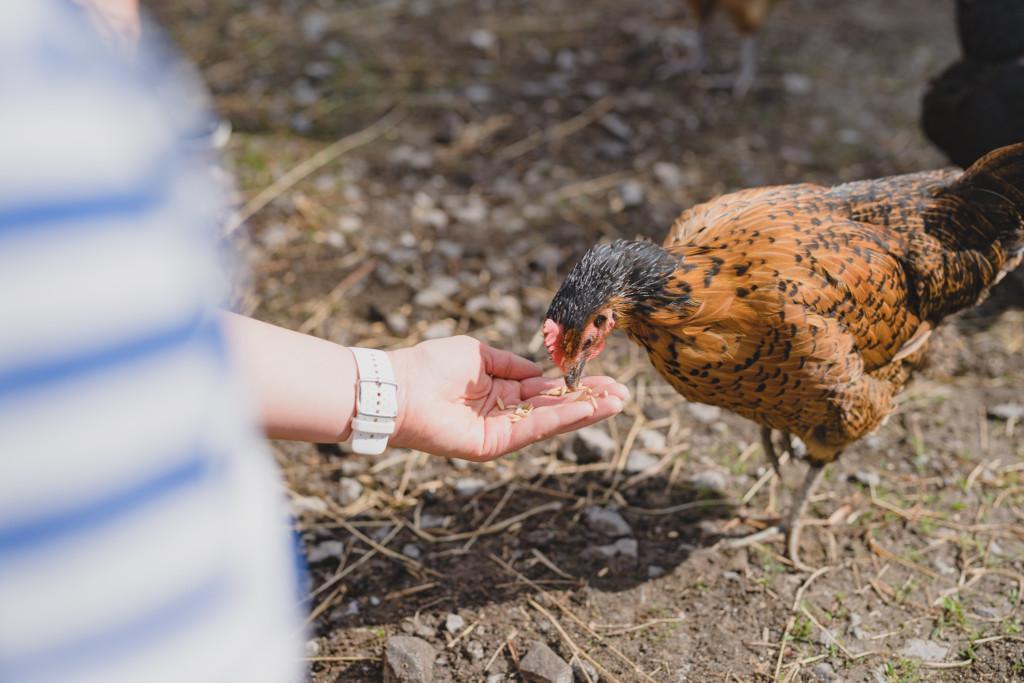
[400, 366]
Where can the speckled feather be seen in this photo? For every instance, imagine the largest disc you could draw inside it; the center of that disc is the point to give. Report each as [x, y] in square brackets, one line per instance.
[808, 307]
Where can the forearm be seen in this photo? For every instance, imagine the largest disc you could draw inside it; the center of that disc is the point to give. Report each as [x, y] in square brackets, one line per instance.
[304, 387]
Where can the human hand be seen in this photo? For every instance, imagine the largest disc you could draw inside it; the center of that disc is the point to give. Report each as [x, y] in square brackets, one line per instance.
[448, 400]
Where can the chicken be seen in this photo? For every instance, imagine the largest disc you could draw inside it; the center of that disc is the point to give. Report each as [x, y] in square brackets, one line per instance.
[977, 103]
[746, 16]
[800, 307]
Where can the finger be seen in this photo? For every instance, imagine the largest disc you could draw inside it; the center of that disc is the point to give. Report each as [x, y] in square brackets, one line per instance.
[547, 421]
[508, 365]
[598, 383]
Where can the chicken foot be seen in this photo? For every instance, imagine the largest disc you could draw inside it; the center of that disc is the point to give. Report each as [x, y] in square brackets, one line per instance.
[791, 525]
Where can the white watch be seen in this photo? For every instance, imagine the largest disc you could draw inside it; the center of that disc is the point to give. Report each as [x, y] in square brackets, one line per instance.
[376, 402]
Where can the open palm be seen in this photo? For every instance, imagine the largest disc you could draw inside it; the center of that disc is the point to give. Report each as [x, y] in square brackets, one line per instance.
[452, 393]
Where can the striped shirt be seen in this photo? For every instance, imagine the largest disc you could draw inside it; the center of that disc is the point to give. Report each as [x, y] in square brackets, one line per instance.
[143, 533]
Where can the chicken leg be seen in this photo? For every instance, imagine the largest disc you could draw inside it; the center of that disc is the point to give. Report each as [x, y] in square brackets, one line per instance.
[791, 525]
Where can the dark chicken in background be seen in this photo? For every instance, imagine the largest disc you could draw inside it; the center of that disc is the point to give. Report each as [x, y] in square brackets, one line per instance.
[800, 307]
[746, 16]
[977, 104]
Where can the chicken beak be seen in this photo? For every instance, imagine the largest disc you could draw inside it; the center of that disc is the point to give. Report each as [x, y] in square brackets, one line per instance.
[572, 378]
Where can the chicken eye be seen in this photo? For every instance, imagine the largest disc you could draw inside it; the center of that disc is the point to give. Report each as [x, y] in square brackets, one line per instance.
[599, 321]
[588, 343]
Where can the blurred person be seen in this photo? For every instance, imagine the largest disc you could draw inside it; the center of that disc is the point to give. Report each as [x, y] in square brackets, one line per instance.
[143, 534]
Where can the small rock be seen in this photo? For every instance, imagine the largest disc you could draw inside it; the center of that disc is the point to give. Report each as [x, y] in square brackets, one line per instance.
[943, 567]
[605, 521]
[309, 504]
[312, 648]
[351, 608]
[453, 623]
[1006, 411]
[496, 678]
[349, 491]
[408, 659]
[482, 39]
[823, 671]
[652, 439]
[925, 650]
[474, 650]
[468, 486]
[624, 547]
[632, 193]
[705, 413]
[867, 478]
[542, 665]
[397, 323]
[731, 575]
[710, 480]
[442, 328]
[855, 629]
[579, 666]
[440, 289]
[314, 26]
[412, 550]
[431, 521]
[796, 84]
[654, 571]
[614, 124]
[425, 631]
[325, 551]
[985, 612]
[374, 601]
[592, 444]
[639, 461]
[669, 175]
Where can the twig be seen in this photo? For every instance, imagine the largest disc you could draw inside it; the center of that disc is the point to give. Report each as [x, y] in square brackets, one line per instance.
[782, 647]
[558, 131]
[312, 164]
[810, 579]
[575, 649]
[492, 529]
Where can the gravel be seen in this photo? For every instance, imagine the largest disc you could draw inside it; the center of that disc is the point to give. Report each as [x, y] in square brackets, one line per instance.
[606, 521]
[542, 665]
[592, 444]
[408, 659]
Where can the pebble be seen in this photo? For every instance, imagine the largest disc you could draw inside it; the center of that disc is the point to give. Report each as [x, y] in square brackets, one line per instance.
[581, 665]
[408, 659]
[453, 623]
[823, 671]
[325, 551]
[440, 289]
[796, 84]
[606, 521]
[468, 486]
[482, 39]
[314, 26]
[474, 650]
[312, 648]
[309, 504]
[425, 631]
[397, 323]
[654, 571]
[442, 328]
[624, 547]
[349, 491]
[640, 461]
[652, 439]
[632, 193]
[592, 444]
[496, 678]
[412, 550]
[1006, 411]
[705, 413]
[614, 124]
[429, 520]
[710, 480]
[542, 665]
[925, 650]
[867, 478]
[669, 175]
[855, 629]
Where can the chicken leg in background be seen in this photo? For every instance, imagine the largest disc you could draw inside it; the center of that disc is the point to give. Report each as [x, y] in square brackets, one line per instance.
[803, 308]
[746, 16]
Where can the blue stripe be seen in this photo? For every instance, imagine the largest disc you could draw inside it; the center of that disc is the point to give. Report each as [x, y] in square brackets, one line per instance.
[93, 651]
[62, 211]
[191, 469]
[198, 329]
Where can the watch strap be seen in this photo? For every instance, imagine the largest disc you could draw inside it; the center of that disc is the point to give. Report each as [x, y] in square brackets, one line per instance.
[376, 402]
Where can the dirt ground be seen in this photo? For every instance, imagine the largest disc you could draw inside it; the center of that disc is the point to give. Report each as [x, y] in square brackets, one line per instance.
[503, 138]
